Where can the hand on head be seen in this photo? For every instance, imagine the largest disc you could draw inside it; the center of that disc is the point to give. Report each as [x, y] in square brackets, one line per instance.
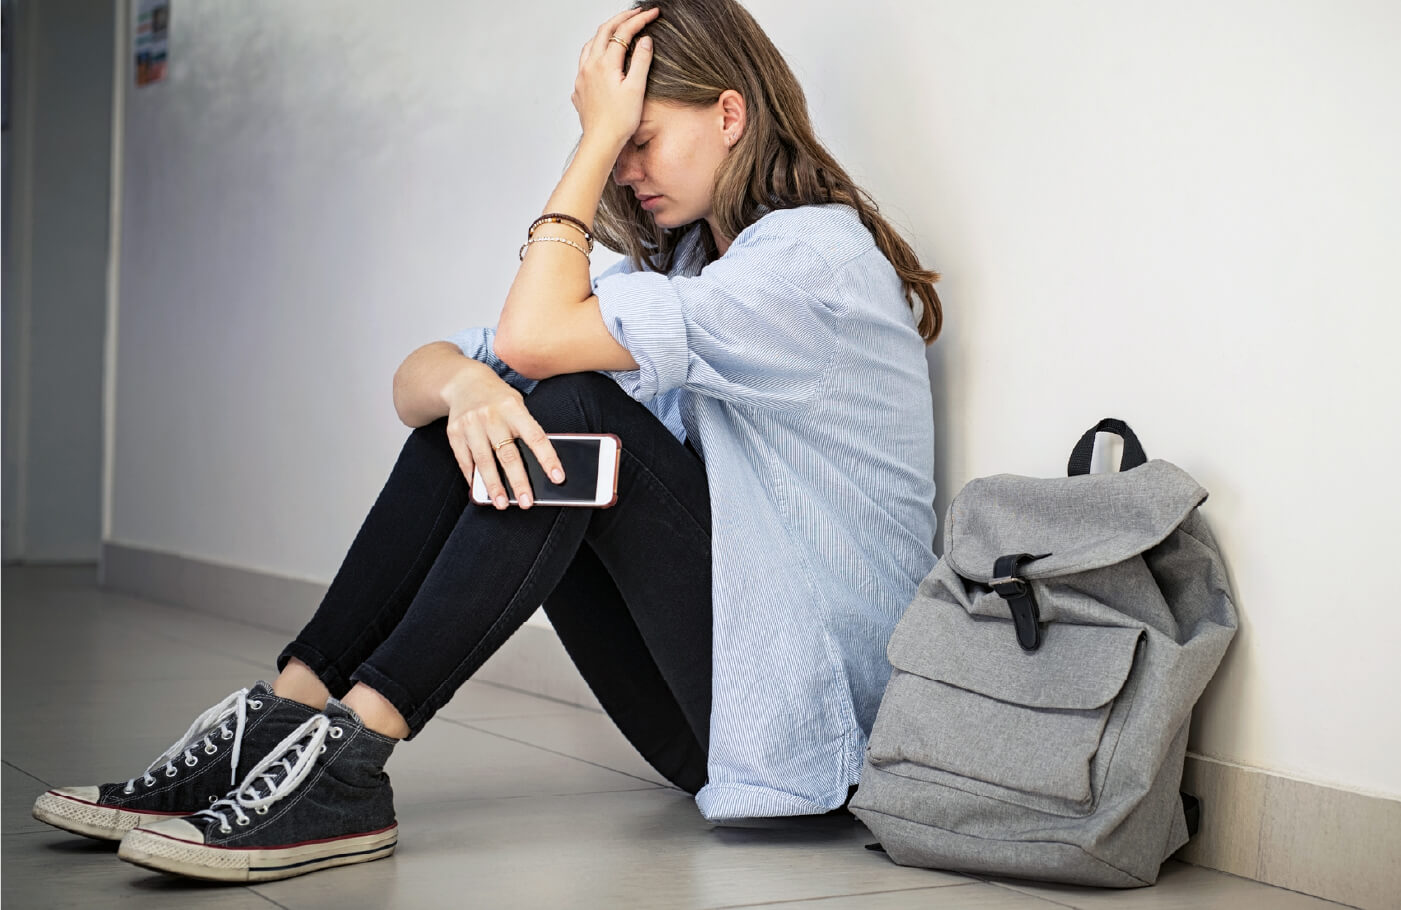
[608, 100]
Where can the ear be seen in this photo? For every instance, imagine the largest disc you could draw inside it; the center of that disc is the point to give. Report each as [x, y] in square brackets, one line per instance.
[732, 116]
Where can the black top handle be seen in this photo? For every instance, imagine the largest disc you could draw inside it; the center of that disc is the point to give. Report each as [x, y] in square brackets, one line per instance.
[1085, 449]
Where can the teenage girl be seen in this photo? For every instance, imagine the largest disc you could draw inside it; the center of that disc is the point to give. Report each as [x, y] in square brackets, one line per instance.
[759, 352]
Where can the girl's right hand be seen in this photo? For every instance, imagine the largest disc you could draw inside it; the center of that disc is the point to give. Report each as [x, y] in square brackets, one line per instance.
[483, 412]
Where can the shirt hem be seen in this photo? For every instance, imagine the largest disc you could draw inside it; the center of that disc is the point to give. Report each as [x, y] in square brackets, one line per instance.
[720, 802]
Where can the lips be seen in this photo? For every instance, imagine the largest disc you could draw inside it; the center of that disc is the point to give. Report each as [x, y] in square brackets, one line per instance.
[646, 201]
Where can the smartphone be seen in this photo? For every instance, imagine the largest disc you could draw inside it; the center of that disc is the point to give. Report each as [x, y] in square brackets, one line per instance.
[590, 462]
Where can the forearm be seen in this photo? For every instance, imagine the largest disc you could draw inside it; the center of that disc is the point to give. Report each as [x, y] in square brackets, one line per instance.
[424, 378]
[553, 279]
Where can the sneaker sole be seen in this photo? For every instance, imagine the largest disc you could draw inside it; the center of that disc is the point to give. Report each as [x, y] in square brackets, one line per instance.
[253, 864]
[90, 819]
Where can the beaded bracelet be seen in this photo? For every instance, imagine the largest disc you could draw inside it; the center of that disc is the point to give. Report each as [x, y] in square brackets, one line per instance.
[552, 240]
[561, 218]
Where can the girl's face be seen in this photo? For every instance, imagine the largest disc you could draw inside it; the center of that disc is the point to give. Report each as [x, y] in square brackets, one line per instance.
[670, 162]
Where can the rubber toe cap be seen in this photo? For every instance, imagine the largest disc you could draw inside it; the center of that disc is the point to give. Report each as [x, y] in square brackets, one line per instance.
[177, 828]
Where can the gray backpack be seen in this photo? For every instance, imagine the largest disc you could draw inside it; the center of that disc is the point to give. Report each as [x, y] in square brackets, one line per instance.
[1044, 676]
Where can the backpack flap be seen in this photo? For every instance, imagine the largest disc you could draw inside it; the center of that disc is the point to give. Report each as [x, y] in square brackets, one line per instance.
[1079, 523]
[967, 701]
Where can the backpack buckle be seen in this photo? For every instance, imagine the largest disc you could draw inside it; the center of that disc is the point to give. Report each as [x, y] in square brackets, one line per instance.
[1008, 587]
[1026, 614]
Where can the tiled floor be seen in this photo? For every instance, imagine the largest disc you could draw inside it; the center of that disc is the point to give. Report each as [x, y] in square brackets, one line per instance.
[505, 800]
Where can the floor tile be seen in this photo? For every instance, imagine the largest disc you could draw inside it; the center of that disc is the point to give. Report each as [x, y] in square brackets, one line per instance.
[960, 897]
[1179, 887]
[78, 733]
[20, 791]
[647, 848]
[56, 871]
[447, 765]
[587, 734]
[110, 638]
[505, 800]
[481, 700]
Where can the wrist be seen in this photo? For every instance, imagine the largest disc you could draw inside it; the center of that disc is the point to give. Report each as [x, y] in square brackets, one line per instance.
[600, 147]
[463, 375]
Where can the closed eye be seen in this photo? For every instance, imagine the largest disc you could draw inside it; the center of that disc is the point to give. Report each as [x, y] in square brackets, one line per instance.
[641, 145]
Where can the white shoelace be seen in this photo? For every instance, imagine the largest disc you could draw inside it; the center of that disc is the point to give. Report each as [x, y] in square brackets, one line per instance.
[234, 708]
[280, 772]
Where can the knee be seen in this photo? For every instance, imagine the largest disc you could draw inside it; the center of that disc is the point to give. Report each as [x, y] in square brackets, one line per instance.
[430, 442]
[569, 403]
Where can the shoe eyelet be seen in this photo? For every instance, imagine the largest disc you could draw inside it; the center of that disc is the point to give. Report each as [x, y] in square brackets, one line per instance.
[244, 822]
[213, 800]
[148, 781]
[336, 732]
[191, 762]
[255, 704]
[226, 735]
[322, 749]
[171, 772]
[261, 810]
[128, 789]
[225, 829]
[210, 749]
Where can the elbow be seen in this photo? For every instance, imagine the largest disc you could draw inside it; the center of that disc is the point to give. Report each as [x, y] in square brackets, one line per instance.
[400, 394]
[526, 360]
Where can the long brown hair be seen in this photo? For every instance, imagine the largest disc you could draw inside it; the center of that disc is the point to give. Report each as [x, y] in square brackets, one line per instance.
[700, 49]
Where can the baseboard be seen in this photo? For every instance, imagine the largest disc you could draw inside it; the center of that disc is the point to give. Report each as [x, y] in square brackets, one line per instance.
[1326, 841]
[256, 598]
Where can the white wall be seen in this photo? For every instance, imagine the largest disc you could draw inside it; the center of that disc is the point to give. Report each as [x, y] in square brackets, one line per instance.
[1179, 215]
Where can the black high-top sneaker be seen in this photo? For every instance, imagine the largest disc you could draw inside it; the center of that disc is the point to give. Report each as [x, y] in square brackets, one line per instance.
[319, 799]
[214, 754]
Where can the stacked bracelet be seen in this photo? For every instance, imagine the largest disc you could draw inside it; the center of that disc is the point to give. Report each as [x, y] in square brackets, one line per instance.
[561, 218]
[552, 240]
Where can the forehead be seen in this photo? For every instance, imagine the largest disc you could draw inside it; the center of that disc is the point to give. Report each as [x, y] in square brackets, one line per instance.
[661, 113]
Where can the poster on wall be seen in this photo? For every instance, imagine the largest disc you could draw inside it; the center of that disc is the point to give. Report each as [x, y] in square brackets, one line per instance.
[152, 29]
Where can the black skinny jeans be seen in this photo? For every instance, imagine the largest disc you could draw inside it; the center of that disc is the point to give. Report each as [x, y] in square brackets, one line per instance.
[433, 584]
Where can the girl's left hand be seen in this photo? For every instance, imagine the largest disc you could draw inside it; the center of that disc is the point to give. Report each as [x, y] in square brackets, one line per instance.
[610, 103]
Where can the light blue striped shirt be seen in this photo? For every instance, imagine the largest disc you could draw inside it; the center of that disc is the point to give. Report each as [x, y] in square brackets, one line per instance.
[793, 365]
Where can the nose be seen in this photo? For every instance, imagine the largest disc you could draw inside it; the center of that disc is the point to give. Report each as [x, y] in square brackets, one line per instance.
[626, 170]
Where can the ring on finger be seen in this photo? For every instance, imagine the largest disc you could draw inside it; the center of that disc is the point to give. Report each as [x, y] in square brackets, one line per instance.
[620, 41]
[502, 444]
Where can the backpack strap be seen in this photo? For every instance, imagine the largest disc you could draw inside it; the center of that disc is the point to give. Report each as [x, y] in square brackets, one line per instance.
[1026, 615]
[1085, 449]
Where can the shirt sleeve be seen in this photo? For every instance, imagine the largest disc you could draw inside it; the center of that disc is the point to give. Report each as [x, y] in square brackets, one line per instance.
[477, 344]
[758, 326]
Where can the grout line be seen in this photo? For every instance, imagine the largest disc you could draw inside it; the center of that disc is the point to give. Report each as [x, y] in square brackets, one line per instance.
[651, 789]
[522, 742]
[252, 890]
[1027, 894]
[14, 767]
[829, 897]
[487, 682]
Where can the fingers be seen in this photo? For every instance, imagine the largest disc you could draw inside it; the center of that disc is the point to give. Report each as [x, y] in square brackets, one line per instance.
[510, 459]
[480, 445]
[639, 65]
[630, 27]
[462, 453]
[530, 433]
[625, 25]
